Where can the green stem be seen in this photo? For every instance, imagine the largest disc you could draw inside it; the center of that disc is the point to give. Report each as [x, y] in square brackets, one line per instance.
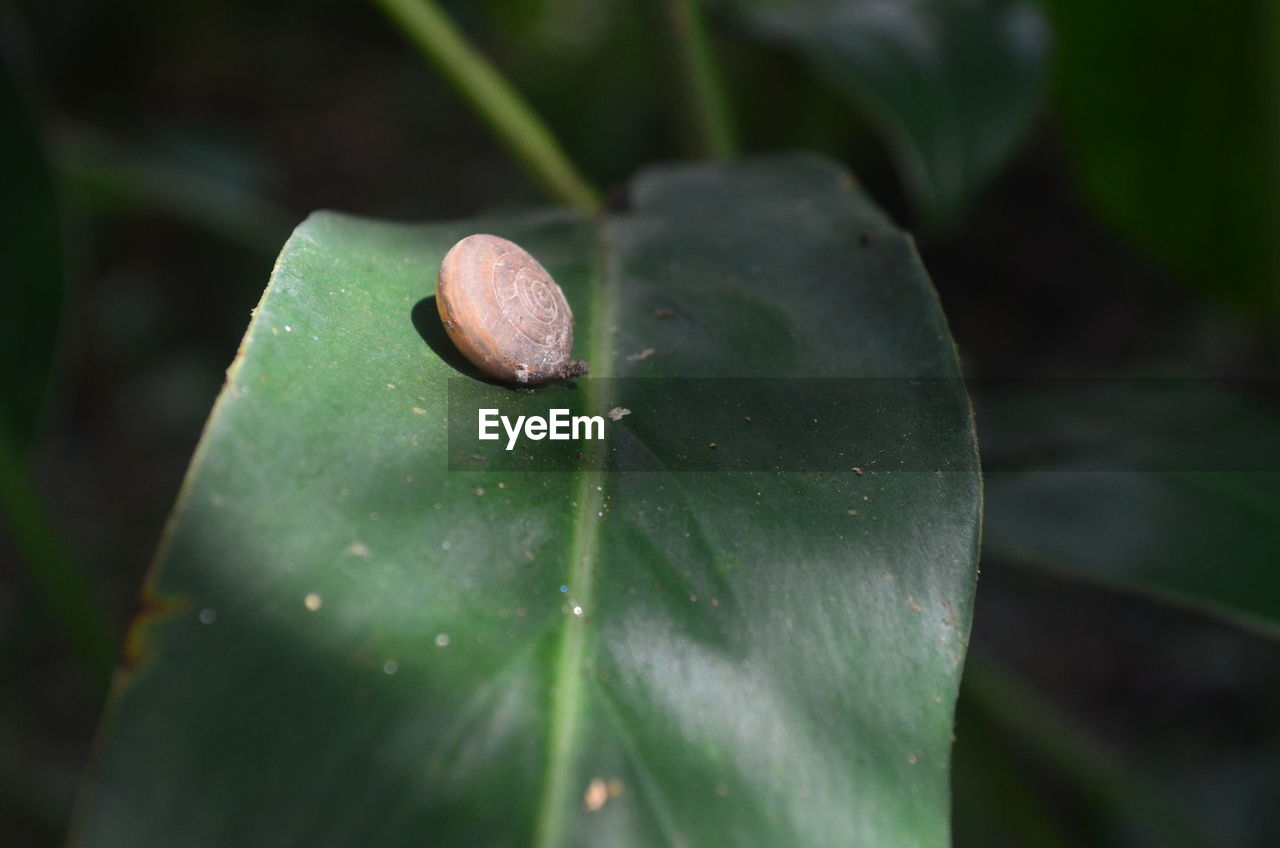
[709, 104]
[56, 581]
[493, 98]
[1057, 740]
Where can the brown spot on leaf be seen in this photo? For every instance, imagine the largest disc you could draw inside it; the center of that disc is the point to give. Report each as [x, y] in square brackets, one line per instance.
[151, 608]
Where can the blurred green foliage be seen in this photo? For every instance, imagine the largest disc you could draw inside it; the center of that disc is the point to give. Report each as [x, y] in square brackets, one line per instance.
[1171, 116]
[32, 273]
[952, 86]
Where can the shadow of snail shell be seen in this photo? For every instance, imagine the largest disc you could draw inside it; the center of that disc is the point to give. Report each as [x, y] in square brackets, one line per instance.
[504, 313]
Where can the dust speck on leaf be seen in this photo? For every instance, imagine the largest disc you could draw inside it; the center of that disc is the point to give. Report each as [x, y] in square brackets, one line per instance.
[598, 793]
[644, 354]
[442, 640]
[359, 549]
[617, 412]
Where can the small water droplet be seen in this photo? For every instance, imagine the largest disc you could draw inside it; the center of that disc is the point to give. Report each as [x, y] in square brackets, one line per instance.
[208, 616]
[288, 329]
[442, 640]
[563, 589]
[390, 667]
[577, 610]
[312, 601]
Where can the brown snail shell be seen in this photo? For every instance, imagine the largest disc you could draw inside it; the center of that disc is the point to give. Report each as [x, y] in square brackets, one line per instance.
[504, 313]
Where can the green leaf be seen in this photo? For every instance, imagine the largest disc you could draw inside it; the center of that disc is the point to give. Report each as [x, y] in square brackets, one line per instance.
[1168, 489]
[752, 664]
[952, 85]
[31, 264]
[1203, 540]
[1170, 113]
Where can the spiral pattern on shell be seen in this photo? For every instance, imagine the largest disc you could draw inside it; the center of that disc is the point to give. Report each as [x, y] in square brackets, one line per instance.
[504, 312]
[528, 299]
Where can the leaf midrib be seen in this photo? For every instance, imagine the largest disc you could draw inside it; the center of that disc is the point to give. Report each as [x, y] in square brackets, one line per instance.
[566, 689]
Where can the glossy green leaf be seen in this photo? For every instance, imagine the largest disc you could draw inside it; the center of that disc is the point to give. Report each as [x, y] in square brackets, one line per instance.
[348, 643]
[952, 85]
[31, 264]
[1170, 113]
[1170, 490]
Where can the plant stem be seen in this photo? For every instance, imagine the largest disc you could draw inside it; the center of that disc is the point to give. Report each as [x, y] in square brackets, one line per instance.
[56, 580]
[1057, 740]
[708, 103]
[493, 98]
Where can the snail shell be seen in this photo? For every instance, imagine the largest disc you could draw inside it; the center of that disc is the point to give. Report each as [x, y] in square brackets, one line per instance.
[504, 313]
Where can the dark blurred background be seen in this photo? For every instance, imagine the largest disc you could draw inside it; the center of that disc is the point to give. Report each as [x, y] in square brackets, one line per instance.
[185, 139]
